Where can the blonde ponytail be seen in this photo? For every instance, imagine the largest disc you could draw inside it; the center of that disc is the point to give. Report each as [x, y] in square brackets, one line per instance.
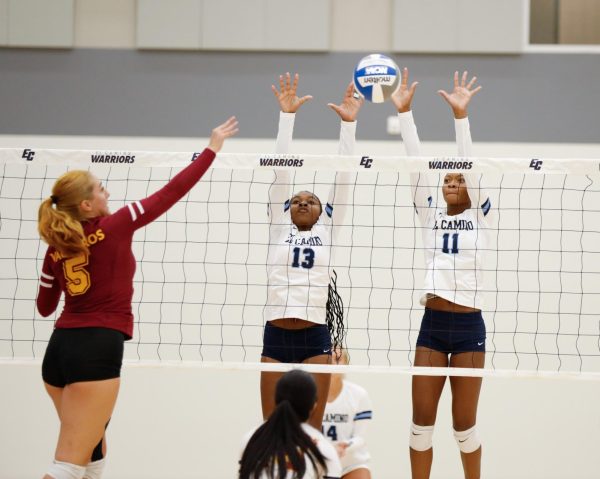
[59, 217]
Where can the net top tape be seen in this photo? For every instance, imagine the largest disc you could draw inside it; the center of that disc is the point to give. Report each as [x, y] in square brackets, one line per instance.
[270, 161]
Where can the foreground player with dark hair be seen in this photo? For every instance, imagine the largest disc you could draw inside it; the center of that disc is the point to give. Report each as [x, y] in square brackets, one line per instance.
[286, 446]
[89, 258]
[455, 235]
[304, 313]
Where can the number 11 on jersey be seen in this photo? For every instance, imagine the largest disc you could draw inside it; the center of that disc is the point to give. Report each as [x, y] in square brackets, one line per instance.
[454, 249]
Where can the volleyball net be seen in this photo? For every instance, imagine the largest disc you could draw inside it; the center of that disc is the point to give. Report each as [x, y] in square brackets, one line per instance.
[202, 276]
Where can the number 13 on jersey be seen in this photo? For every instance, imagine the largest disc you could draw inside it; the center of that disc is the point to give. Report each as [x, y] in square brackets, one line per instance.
[308, 258]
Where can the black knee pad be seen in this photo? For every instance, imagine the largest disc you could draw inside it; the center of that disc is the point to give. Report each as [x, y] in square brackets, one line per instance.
[97, 452]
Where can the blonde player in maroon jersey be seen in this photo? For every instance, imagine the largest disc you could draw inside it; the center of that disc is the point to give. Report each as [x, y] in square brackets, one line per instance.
[89, 258]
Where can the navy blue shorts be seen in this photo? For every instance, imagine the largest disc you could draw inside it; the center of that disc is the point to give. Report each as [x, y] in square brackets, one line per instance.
[82, 354]
[449, 332]
[295, 345]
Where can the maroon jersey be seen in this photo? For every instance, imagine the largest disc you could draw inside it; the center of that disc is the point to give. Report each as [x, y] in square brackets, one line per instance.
[98, 286]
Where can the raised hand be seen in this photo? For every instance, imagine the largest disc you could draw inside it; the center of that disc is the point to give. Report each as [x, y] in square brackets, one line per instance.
[403, 96]
[288, 100]
[460, 97]
[221, 133]
[351, 103]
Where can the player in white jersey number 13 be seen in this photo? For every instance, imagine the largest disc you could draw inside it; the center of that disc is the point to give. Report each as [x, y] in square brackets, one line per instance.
[304, 313]
[452, 331]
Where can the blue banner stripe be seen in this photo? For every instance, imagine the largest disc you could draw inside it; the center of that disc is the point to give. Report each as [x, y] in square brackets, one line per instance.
[363, 415]
[329, 210]
[485, 207]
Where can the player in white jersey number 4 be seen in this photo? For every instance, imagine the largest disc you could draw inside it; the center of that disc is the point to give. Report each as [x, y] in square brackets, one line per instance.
[347, 416]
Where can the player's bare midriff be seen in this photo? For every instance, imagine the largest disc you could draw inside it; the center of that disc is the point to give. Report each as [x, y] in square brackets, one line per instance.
[440, 304]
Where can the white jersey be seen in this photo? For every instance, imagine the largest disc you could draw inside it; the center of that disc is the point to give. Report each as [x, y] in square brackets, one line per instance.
[454, 245]
[332, 462]
[299, 261]
[346, 420]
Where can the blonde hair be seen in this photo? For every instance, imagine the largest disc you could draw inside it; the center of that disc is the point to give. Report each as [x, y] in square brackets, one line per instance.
[60, 226]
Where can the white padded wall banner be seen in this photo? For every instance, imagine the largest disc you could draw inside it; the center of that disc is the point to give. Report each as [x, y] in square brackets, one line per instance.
[3, 22]
[105, 23]
[490, 26]
[466, 26]
[424, 26]
[357, 26]
[41, 23]
[308, 31]
[173, 24]
[234, 25]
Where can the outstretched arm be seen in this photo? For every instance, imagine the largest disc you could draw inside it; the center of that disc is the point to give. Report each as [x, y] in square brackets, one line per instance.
[348, 110]
[458, 99]
[289, 104]
[140, 213]
[402, 100]
[339, 195]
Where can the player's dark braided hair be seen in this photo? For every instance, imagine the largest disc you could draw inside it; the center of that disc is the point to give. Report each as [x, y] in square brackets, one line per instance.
[335, 315]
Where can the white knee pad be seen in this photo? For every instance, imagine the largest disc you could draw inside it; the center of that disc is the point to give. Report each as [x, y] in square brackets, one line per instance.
[421, 437]
[65, 470]
[468, 441]
[94, 469]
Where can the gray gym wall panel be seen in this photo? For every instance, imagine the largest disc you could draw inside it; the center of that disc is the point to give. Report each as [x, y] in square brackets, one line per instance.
[491, 26]
[3, 22]
[425, 26]
[525, 98]
[293, 25]
[41, 23]
[234, 25]
[173, 24]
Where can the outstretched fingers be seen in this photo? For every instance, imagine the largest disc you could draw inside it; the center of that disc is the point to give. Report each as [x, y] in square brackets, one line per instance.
[230, 127]
[350, 90]
[222, 132]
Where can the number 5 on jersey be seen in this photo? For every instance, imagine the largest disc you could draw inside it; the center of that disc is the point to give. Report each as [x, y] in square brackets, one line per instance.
[78, 278]
[308, 259]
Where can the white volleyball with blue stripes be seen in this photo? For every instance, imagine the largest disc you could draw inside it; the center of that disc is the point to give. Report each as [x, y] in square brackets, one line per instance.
[376, 77]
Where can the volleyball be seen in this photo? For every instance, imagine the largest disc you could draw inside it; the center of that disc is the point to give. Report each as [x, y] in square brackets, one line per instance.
[376, 77]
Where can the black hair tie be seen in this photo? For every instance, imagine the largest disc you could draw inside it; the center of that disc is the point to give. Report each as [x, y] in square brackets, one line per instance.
[54, 199]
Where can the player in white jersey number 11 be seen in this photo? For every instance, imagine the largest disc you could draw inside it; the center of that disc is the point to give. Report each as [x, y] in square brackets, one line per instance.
[452, 333]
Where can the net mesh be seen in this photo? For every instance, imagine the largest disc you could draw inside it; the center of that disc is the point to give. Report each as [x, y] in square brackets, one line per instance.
[201, 279]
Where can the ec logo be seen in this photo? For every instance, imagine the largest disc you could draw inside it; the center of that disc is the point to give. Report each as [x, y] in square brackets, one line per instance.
[536, 164]
[366, 161]
[195, 155]
[28, 154]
